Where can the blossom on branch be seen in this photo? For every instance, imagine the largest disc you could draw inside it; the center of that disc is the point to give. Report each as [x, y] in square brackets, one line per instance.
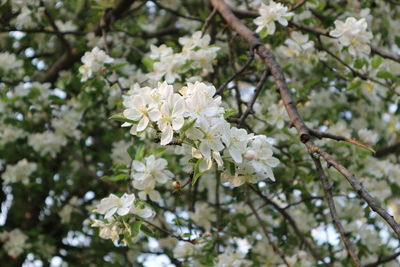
[271, 13]
[353, 34]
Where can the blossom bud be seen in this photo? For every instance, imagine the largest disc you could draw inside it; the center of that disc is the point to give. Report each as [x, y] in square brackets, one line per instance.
[250, 154]
[176, 185]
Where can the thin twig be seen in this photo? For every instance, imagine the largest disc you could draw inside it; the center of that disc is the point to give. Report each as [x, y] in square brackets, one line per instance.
[261, 223]
[372, 202]
[175, 12]
[240, 71]
[256, 93]
[178, 237]
[321, 135]
[380, 261]
[208, 21]
[332, 208]
[298, 5]
[385, 54]
[218, 208]
[293, 224]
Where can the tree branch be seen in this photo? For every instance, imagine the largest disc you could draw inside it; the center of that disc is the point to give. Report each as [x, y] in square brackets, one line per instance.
[335, 218]
[321, 135]
[256, 93]
[384, 260]
[274, 246]
[70, 57]
[292, 111]
[388, 150]
[293, 224]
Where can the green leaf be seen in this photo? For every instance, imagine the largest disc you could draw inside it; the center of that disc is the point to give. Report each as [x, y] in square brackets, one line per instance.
[120, 167]
[197, 173]
[359, 63]
[383, 74]
[131, 151]
[230, 112]
[230, 166]
[188, 124]
[139, 155]
[264, 33]
[159, 151]
[148, 62]
[116, 66]
[376, 61]
[120, 117]
[149, 232]
[116, 178]
[135, 228]
[186, 235]
[397, 40]
[354, 85]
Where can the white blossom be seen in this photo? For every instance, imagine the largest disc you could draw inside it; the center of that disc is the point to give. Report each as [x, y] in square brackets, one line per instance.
[298, 44]
[271, 13]
[19, 172]
[171, 119]
[14, 242]
[113, 204]
[236, 143]
[152, 168]
[368, 136]
[93, 61]
[47, 143]
[109, 229]
[204, 216]
[140, 109]
[232, 259]
[9, 61]
[119, 152]
[353, 34]
[184, 249]
[277, 116]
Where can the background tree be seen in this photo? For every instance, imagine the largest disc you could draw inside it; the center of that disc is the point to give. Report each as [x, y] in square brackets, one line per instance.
[255, 133]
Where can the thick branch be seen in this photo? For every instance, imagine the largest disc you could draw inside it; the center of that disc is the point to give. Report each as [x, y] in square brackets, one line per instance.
[315, 30]
[292, 111]
[270, 62]
[372, 202]
[388, 150]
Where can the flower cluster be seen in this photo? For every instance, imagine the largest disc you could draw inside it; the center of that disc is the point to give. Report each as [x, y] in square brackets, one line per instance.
[146, 174]
[353, 34]
[14, 242]
[231, 258]
[112, 226]
[93, 61]
[122, 206]
[47, 143]
[196, 54]
[19, 172]
[196, 118]
[9, 61]
[271, 13]
[298, 44]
